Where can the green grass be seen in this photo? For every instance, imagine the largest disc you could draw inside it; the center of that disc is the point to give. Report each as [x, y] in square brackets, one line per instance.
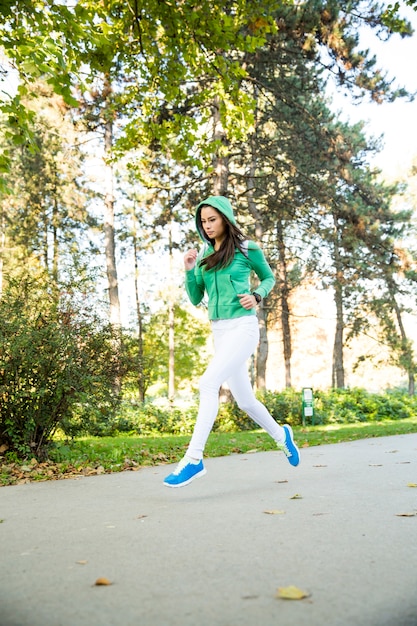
[94, 455]
[112, 452]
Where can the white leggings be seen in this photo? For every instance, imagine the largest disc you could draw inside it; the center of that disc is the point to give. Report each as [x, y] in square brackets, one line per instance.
[235, 340]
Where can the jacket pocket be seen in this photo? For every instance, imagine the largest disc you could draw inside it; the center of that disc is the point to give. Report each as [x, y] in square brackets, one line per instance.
[238, 286]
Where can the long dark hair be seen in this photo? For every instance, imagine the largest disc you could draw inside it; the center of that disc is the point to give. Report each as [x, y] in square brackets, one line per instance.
[224, 255]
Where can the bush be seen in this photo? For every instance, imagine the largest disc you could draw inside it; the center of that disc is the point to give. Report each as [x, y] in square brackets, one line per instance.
[358, 405]
[284, 406]
[57, 364]
[332, 406]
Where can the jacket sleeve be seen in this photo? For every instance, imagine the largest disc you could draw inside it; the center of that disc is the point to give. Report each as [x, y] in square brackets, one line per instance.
[261, 268]
[194, 285]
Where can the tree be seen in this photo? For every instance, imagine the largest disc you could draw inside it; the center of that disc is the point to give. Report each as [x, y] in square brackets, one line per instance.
[161, 70]
[190, 338]
[98, 119]
[44, 207]
[40, 40]
[288, 162]
[391, 272]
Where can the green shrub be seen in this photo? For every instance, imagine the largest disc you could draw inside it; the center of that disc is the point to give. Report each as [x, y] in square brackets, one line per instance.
[57, 364]
[284, 406]
[231, 419]
[341, 406]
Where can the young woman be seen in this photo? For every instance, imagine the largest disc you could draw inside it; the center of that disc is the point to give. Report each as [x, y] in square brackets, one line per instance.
[222, 271]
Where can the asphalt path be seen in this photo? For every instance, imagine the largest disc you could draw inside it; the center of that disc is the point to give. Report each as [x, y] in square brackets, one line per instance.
[341, 527]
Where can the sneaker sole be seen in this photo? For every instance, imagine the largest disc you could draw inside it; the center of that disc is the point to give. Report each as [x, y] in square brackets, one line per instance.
[295, 446]
[187, 482]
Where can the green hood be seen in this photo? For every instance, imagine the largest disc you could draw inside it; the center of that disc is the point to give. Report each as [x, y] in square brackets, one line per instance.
[222, 205]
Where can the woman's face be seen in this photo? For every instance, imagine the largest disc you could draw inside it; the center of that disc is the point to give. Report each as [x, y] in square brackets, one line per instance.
[213, 224]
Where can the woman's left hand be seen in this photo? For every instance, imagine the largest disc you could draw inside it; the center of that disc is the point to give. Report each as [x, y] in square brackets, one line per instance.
[247, 300]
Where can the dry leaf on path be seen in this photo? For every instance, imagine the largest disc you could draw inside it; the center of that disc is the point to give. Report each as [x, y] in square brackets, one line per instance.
[291, 593]
[102, 582]
[412, 485]
[296, 496]
[81, 562]
[275, 512]
[412, 514]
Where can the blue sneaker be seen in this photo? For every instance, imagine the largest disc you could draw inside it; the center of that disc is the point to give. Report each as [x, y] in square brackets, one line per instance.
[289, 448]
[184, 473]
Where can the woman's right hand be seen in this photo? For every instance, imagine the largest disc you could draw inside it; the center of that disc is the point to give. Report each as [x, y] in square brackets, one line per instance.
[190, 258]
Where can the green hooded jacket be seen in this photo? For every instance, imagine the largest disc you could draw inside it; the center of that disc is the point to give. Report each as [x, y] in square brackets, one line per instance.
[222, 285]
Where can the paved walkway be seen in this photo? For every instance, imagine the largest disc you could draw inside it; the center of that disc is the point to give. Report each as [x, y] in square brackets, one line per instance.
[215, 552]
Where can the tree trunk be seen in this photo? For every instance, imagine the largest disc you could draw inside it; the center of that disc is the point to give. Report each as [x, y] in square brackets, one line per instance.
[2, 247]
[263, 346]
[141, 374]
[263, 349]
[220, 185]
[407, 359]
[55, 245]
[411, 383]
[284, 290]
[338, 372]
[220, 159]
[171, 327]
[45, 242]
[109, 233]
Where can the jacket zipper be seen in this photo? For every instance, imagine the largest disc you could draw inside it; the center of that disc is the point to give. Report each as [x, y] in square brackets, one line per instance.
[217, 295]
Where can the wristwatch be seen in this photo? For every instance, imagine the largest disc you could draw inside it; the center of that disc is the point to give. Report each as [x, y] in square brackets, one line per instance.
[257, 297]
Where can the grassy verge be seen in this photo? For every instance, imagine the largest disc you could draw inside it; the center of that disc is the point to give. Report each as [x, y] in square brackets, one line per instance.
[99, 455]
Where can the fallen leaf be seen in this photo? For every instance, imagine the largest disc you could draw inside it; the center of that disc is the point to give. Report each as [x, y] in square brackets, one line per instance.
[275, 512]
[391, 451]
[296, 496]
[141, 516]
[412, 514]
[102, 582]
[81, 562]
[412, 485]
[305, 445]
[375, 464]
[291, 593]
[3, 448]
[281, 481]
